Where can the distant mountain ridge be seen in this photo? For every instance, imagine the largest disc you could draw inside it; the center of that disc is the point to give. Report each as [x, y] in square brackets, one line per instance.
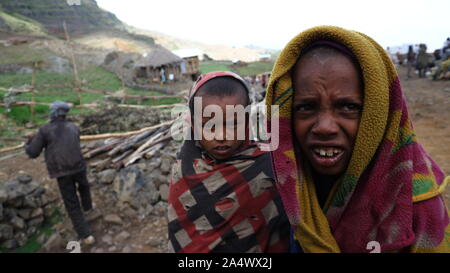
[80, 19]
[90, 25]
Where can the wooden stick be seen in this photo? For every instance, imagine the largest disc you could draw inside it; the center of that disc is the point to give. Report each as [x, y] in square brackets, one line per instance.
[33, 99]
[74, 64]
[15, 90]
[116, 135]
[138, 153]
[102, 136]
[8, 149]
[102, 149]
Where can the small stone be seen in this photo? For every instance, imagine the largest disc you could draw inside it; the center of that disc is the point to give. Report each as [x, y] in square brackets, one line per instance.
[54, 243]
[164, 192]
[3, 196]
[31, 231]
[41, 238]
[24, 179]
[9, 212]
[107, 239]
[48, 210]
[10, 244]
[21, 238]
[36, 222]
[113, 219]
[6, 232]
[37, 212]
[126, 249]
[15, 202]
[24, 213]
[160, 209]
[112, 249]
[44, 200]
[98, 250]
[166, 165]
[18, 223]
[31, 202]
[124, 235]
[154, 242]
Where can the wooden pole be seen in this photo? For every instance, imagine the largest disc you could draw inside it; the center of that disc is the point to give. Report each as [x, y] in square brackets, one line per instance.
[74, 64]
[33, 100]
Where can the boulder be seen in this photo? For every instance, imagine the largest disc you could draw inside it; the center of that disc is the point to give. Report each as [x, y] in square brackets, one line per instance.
[24, 179]
[113, 219]
[21, 238]
[132, 187]
[164, 192]
[36, 222]
[6, 232]
[107, 176]
[10, 244]
[25, 213]
[18, 223]
[3, 195]
[122, 236]
[55, 242]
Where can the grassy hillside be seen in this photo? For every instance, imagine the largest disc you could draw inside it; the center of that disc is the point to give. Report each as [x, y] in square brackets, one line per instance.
[20, 24]
[80, 19]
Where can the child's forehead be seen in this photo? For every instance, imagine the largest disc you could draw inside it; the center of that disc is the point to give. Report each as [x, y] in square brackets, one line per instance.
[228, 99]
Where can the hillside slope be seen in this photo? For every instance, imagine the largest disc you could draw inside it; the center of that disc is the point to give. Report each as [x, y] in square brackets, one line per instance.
[51, 14]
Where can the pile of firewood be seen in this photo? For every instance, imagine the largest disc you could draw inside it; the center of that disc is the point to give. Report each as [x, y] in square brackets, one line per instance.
[121, 150]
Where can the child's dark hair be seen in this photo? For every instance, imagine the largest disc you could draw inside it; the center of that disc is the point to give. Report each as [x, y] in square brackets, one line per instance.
[222, 87]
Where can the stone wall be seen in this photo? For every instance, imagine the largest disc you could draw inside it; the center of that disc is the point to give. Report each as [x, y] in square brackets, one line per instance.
[24, 206]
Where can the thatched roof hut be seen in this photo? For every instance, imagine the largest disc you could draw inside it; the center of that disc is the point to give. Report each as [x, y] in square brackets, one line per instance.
[157, 58]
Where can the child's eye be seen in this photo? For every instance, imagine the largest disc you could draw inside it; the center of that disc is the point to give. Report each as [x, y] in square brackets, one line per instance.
[303, 107]
[351, 107]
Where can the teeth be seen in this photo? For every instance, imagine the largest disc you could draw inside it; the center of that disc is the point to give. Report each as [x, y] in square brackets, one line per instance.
[328, 152]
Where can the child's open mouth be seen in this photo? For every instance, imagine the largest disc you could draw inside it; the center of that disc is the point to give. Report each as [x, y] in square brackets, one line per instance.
[327, 156]
[222, 149]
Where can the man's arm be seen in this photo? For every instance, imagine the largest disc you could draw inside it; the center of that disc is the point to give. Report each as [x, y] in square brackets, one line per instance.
[34, 146]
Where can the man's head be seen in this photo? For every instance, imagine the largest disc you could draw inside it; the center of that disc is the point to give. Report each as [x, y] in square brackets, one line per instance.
[59, 109]
[221, 91]
[327, 107]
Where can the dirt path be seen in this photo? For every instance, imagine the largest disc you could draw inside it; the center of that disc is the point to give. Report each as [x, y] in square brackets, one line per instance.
[429, 106]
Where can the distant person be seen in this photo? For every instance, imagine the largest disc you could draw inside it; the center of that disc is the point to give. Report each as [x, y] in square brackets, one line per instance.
[422, 60]
[61, 141]
[410, 61]
[222, 195]
[162, 74]
[446, 49]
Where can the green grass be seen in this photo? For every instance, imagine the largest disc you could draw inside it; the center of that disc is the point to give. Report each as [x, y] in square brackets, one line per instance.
[206, 67]
[255, 68]
[22, 54]
[21, 24]
[95, 78]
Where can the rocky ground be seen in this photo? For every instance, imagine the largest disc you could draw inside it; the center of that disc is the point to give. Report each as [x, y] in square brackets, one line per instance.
[132, 201]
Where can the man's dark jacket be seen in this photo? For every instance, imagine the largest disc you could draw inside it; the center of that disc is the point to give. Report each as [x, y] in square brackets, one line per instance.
[61, 140]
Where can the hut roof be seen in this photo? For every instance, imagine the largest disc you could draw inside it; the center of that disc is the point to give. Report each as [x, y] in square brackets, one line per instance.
[158, 57]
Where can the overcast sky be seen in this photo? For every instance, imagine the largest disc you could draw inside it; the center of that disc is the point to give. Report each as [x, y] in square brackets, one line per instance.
[272, 23]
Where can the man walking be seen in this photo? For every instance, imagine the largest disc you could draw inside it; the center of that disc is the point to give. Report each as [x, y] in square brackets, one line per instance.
[64, 160]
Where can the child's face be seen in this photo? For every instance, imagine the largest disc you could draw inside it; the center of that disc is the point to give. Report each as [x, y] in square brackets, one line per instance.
[227, 145]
